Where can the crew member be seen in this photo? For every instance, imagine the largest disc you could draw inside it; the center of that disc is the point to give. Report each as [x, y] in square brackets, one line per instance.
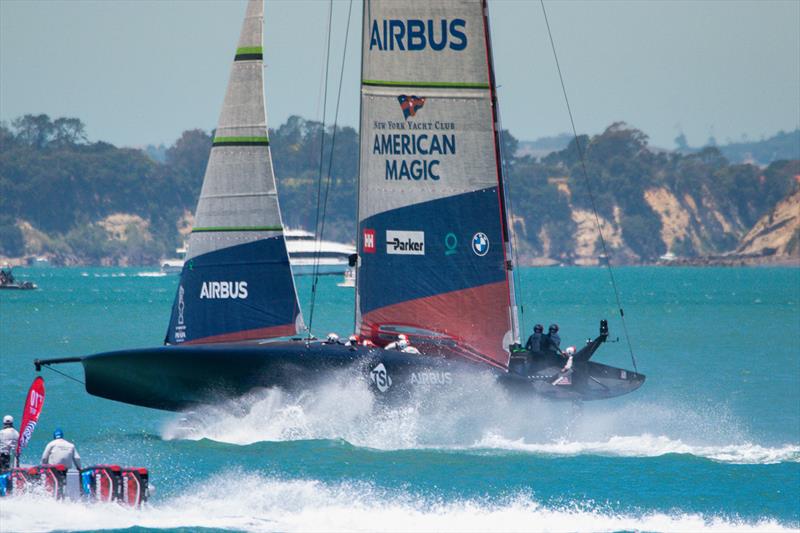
[569, 353]
[551, 342]
[8, 442]
[60, 451]
[353, 340]
[405, 347]
[394, 345]
[534, 343]
[332, 338]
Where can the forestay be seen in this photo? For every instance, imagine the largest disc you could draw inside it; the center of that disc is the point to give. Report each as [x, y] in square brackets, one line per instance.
[237, 283]
[433, 245]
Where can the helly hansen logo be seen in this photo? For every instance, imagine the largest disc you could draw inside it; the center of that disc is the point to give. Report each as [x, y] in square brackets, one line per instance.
[224, 290]
[410, 104]
[369, 241]
[405, 242]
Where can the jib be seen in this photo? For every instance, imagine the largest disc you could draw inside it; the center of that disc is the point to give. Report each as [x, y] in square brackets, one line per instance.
[414, 34]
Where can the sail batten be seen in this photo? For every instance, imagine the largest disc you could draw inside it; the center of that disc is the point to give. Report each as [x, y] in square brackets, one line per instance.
[237, 282]
[432, 236]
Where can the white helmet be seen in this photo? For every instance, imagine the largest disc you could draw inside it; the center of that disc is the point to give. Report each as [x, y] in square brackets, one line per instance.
[8, 420]
[402, 343]
[333, 337]
[570, 350]
[402, 336]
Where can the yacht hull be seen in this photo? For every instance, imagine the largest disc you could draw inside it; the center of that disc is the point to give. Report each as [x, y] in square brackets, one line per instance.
[175, 378]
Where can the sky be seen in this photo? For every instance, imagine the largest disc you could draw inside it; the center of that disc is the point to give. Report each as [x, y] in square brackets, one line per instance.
[141, 72]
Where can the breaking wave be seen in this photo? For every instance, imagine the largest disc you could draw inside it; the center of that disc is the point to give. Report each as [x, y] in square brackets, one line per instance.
[253, 502]
[478, 416]
[650, 446]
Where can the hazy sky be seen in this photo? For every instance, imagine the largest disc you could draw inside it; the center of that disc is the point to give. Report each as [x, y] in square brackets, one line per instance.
[140, 72]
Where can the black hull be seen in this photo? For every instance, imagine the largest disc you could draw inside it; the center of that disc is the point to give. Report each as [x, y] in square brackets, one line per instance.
[174, 378]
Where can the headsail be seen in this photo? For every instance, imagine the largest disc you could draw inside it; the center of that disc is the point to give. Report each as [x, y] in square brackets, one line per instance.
[237, 283]
[433, 243]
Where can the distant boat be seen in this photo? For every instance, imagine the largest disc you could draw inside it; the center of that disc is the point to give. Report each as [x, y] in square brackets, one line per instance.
[38, 261]
[8, 281]
[349, 279]
[434, 264]
[174, 266]
[305, 252]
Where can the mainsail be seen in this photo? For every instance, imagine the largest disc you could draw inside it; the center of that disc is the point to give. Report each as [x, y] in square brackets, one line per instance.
[433, 244]
[237, 282]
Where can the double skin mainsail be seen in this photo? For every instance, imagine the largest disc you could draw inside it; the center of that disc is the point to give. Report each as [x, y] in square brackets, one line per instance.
[433, 241]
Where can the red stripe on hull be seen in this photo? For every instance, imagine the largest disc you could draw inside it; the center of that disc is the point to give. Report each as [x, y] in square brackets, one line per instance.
[284, 330]
[464, 315]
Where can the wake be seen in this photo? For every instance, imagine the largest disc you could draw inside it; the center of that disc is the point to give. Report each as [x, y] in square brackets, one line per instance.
[251, 502]
[480, 416]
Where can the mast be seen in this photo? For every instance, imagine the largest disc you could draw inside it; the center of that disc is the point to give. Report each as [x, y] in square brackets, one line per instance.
[507, 226]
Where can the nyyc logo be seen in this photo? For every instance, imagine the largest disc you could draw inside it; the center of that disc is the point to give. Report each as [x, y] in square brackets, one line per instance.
[416, 35]
[224, 290]
[380, 378]
[405, 242]
[369, 241]
[480, 244]
[410, 104]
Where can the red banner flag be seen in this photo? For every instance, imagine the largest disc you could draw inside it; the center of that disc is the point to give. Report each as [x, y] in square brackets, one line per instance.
[30, 415]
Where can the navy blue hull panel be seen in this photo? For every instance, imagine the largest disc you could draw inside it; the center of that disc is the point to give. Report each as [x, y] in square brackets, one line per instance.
[179, 377]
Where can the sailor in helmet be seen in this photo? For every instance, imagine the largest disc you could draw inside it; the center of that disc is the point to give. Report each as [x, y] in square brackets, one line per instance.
[332, 338]
[551, 342]
[402, 345]
[569, 353]
[395, 345]
[60, 451]
[8, 442]
[354, 340]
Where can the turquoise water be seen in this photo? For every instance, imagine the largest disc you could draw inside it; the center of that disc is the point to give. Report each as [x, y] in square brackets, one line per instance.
[710, 442]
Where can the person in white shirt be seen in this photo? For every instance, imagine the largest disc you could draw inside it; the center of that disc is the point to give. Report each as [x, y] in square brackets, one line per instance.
[8, 442]
[60, 451]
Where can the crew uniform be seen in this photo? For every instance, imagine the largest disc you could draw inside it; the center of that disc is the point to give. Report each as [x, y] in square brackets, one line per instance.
[60, 451]
[551, 342]
[534, 343]
[8, 442]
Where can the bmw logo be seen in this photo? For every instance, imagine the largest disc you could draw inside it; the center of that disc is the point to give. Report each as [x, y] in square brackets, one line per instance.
[480, 244]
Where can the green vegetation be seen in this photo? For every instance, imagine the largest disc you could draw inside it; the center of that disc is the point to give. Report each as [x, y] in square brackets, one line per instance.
[65, 187]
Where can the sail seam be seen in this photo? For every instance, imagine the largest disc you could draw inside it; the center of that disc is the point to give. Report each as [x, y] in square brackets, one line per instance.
[426, 84]
[241, 141]
[240, 195]
[236, 228]
[249, 53]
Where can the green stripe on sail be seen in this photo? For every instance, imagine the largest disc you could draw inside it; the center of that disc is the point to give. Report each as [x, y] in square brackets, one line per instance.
[426, 84]
[246, 50]
[259, 140]
[236, 228]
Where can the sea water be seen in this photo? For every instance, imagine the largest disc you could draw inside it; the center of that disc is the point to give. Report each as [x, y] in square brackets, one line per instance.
[711, 442]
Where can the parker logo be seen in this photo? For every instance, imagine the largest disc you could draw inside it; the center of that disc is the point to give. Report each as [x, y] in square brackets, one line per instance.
[405, 242]
[369, 241]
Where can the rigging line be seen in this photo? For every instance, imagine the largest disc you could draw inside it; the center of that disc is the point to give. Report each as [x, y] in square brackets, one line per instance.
[63, 374]
[333, 136]
[319, 178]
[589, 189]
